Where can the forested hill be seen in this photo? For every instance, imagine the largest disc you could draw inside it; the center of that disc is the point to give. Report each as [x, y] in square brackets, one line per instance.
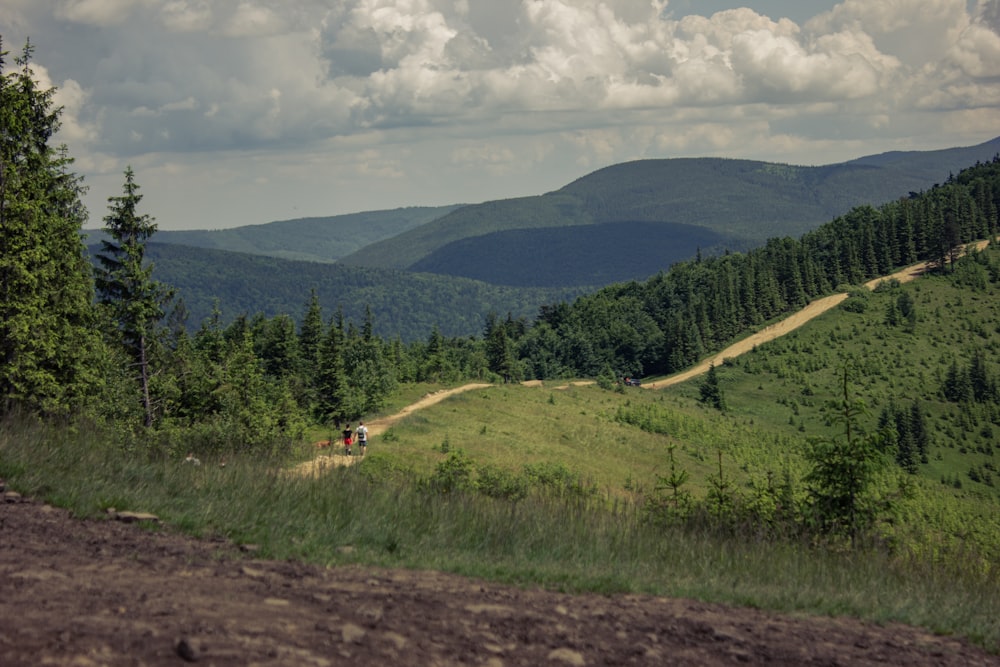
[670, 321]
[402, 304]
[631, 220]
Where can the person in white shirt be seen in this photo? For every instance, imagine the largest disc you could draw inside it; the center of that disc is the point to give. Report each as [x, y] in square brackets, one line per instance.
[362, 437]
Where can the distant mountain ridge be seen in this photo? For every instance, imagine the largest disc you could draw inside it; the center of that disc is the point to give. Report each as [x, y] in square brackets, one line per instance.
[317, 239]
[737, 203]
[611, 226]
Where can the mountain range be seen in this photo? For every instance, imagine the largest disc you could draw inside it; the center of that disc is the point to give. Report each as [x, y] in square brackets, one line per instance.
[625, 222]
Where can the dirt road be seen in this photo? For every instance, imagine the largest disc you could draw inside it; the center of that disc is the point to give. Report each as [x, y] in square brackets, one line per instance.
[792, 322]
[379, 426]
[335, 457]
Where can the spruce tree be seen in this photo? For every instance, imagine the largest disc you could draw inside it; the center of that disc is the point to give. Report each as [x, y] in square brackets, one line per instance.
[370, 373]
[50, 355]
[919, 429]
[500, 355]
[711, 393]
[842, 477]
[332, 382]
[125, 284]
[310, 340]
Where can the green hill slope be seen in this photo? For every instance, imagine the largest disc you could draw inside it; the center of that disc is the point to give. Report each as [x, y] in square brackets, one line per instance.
[898, 365]
[740, 203]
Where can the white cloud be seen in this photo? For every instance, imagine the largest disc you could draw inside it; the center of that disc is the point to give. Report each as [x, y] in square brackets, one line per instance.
[251, 20]
[372, 163]
[519, 90]
[96, 12]
[186, 15]
[915, 31]
[977, 52]
[778, 68]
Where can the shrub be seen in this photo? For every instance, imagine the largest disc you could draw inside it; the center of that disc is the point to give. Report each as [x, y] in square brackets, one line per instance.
[452, 475]
[497, 482]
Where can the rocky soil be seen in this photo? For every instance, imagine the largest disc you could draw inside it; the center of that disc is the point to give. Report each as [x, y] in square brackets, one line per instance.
[107, 592]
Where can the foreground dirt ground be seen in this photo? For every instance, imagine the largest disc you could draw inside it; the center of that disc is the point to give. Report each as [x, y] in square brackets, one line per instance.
[76, 592]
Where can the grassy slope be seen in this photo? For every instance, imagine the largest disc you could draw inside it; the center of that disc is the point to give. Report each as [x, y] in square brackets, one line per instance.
[777, 395]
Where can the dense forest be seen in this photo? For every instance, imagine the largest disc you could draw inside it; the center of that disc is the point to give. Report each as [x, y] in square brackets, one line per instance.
[403, 304]
[594, 255]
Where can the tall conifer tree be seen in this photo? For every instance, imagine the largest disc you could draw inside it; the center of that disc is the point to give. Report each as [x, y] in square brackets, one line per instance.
[49, 354]
[126, 285]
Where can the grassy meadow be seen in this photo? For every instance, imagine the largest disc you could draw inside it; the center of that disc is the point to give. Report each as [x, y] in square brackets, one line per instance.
[569, 470]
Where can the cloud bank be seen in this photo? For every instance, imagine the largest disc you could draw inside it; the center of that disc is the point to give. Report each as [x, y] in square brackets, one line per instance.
[362, 104]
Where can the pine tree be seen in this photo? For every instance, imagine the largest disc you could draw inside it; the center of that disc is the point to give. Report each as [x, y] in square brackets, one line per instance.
[500, 355]
[370, 373]
[907, 310]
[956, 387]
[332, 402]
[982, 385]
[711, 393]
[125, 284]
[843, 472]
[50, 354]
[437, 367]
[277, 346]
[918, 429]
[310, 340]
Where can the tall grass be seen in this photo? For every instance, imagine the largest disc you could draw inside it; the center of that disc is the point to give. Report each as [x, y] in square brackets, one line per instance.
[570, 543]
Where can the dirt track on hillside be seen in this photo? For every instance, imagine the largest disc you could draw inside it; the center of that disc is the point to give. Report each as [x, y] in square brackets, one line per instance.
[91, 593]
[812, 310]
[335, 456]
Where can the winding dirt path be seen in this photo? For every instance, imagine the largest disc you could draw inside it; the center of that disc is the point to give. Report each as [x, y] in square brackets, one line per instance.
[812, 310]
[379, 426]
[336, 458]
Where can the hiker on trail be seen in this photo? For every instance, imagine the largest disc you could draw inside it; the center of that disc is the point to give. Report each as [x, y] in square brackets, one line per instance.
[363, 438]
[347, 439]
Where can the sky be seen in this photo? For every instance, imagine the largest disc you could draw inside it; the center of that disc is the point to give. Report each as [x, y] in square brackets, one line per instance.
[239, 112]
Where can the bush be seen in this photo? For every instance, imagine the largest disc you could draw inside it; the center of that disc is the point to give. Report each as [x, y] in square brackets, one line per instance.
[451, 475]
[496, 482]
[857, 301]
[556, 477]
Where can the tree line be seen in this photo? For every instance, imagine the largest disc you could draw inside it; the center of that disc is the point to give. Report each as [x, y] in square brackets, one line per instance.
[670, 321]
